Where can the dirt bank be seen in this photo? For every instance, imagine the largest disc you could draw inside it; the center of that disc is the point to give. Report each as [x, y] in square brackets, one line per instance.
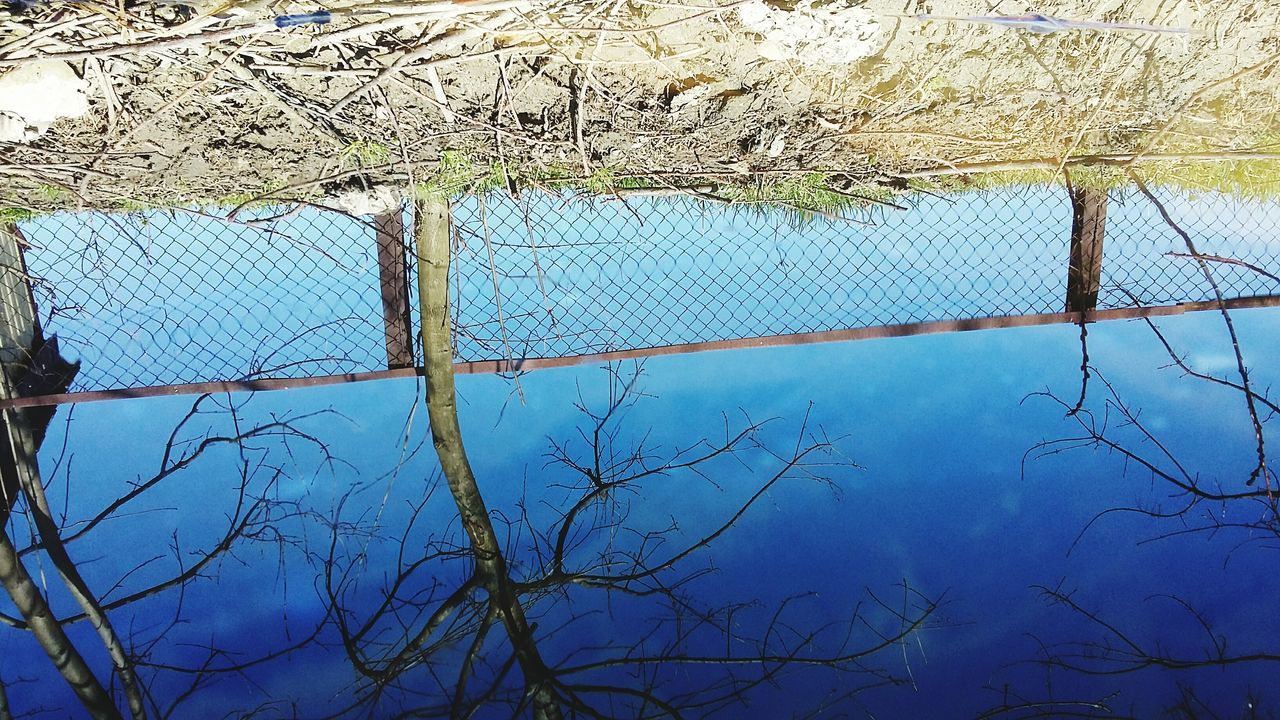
[216, 103]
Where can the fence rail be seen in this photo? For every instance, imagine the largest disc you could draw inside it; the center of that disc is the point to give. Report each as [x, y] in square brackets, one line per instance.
[184, 301]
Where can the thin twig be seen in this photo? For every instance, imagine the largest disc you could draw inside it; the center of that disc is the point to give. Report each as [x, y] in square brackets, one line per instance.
[1182, 363]
[577, 96]
[497, 294]
[440, 45]
[1226, 261]
[1115, 159]
[149, 46]
[920, 133]
[1261, 468]
[865, 198]
[537, 266]
[1084, 365]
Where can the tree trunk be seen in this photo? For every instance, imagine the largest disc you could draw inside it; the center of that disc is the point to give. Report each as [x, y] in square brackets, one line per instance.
[432, 238]
[24, 443]
[48, 632]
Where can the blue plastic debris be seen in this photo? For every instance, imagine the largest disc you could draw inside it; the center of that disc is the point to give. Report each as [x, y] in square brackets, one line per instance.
[1045, 24]
[18, 7]
[318, 17]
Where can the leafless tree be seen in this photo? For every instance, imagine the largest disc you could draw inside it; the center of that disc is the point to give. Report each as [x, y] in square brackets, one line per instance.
[1236, 497]
[1019, 706]
[1195, 506]
[431, 640]
[56, 533]
[586, 598]
[1191, 706]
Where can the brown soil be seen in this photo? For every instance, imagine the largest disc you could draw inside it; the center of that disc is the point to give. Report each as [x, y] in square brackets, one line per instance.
[633, 87]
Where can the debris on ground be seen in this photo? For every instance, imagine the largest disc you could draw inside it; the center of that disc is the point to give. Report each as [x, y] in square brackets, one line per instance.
[33, 97]
[225, 101]
[374, 201]
[830, 34]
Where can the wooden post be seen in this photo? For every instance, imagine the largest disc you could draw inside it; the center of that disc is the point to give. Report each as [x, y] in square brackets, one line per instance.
[393, 280]
[1084, 269]
[19, 326]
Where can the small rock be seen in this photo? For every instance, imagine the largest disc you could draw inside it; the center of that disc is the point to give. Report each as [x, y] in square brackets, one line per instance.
[813, 34]
[374, 201]
[33, 96]
[299, 44]
[262, 140]
[689, 98]
[328, 56]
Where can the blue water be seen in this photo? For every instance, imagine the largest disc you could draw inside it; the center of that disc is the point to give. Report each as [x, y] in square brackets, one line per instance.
[933, 482]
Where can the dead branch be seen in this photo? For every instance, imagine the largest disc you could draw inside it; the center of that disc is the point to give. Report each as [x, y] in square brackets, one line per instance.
[1261, 468]
[1119, 653]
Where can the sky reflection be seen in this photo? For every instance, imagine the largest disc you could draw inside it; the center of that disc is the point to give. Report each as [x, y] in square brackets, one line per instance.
[940, 500]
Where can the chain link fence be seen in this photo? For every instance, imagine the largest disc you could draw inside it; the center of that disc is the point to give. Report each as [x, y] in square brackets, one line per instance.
[167, 297]
[160, 298]
[577, 276]
[1146, 261]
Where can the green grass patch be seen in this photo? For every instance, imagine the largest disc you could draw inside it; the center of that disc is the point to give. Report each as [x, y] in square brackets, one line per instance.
[455, 174]
[802, 198]
[797, 199]
[1243, 179]
[364, 153]
[15, 215]
[1099, 177]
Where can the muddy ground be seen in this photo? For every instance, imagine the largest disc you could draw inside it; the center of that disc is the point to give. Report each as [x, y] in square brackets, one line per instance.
[672, 91]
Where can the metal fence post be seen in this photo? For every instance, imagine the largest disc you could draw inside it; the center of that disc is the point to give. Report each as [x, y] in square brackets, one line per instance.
[393, 281]
[1084, 269]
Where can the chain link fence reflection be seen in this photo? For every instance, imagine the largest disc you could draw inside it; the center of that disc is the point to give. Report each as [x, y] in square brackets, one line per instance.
[160, 298]
[168, 297]
[575, 277]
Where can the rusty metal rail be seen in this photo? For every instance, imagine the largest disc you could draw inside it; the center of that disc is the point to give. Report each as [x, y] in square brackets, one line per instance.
[541, 363]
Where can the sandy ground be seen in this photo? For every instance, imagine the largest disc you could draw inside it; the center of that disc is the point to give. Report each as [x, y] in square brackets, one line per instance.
[597, 90]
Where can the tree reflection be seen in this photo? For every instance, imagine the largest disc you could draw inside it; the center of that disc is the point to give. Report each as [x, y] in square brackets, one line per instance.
[664, 653]
[595, 594]
[64, 541]
[1229, 499]
[521, 627]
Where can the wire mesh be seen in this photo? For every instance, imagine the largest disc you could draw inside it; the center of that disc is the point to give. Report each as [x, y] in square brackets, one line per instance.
[178, 296]
[1147, 261]
[161, 298]
[575, 276]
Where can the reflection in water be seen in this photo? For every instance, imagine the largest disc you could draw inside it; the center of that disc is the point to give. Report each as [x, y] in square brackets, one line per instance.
[578, 598]
[300, 555]
[166, 298]
[915, 528]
